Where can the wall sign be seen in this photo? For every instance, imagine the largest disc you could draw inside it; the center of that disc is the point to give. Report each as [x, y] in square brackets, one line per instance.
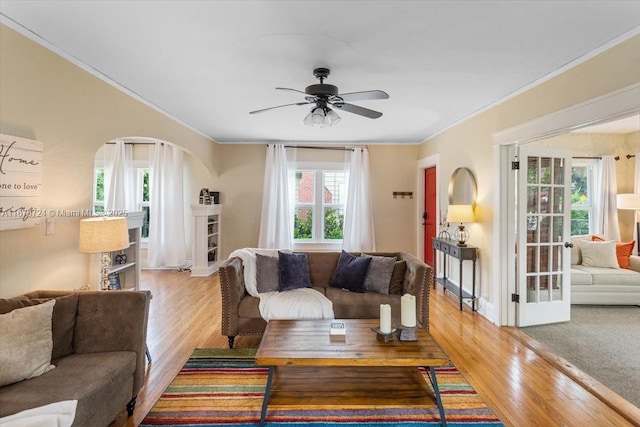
[20, 182]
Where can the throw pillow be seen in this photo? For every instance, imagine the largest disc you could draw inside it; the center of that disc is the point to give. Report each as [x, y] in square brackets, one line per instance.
[350, 272]
[576, 255]
[623, 251]
[267, 273]
[397, 278]
[379, 274]
[599, 254]
[294, 271]
[27, 343]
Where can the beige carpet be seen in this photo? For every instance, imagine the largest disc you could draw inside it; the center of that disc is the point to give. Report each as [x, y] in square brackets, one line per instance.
[602, 341]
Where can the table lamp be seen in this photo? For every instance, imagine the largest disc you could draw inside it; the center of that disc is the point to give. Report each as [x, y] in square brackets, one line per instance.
[103, 235]
[461, 214]
[631, 202]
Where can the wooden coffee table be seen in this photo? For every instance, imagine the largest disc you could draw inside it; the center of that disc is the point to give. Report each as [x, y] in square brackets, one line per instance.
[308, 368]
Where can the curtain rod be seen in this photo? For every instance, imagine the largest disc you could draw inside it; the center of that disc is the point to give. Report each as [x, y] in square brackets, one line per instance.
[628, 156]
[308, 147]
[587, 158]
[135, 143]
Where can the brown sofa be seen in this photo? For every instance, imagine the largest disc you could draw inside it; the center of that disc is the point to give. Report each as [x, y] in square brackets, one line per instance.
[99, 342]
[241, 315]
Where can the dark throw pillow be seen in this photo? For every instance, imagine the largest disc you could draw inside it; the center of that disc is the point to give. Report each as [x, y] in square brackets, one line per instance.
[350, 272]
[267, 273]
[397, 278]
[379, 274]
[294, 271]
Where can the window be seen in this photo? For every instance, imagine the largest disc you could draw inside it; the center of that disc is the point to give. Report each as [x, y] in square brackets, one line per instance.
[320, 196]
[142, 191]
[582, 199]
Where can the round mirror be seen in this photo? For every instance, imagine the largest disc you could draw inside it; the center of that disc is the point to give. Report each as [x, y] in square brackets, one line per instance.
[463, 189]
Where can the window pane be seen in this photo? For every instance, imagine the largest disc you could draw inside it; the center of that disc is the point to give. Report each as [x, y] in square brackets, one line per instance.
[100, 185]
[303, 223]
[580, 186]
[579, 222]
[334, 187]
[145, 223]
[333, 223]
[145, 186]
[304, 186]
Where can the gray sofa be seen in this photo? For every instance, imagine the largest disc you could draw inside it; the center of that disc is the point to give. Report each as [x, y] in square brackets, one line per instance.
[99, 342]
[241, 315]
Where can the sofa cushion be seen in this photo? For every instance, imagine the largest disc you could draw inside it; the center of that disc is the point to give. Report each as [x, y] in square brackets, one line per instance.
[321, 267]
[397, 278]
[350, 272]
[101, 382]
[579, 277]
[576, 254]
[294, 271]
[599, 254]
[27, 343]
[267, 273]
[379, 274]
[609, 276]
[63, 319]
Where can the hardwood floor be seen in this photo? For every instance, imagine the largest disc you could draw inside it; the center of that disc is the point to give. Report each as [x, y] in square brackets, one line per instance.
[521, 387]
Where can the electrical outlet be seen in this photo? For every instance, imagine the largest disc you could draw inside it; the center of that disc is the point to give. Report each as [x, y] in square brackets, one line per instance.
[50, 226]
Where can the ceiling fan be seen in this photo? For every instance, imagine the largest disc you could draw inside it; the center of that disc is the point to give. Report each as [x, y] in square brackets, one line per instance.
[325, 96]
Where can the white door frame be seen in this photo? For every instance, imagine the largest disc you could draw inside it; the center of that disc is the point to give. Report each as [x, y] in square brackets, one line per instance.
[617, 104]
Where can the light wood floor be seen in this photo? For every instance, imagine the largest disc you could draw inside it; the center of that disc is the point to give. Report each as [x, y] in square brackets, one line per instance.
[521, 387]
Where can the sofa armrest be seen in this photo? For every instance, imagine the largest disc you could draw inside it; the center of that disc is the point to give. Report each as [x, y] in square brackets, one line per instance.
[418, 280]
[232, 288]
[634, 263]
[114, 321]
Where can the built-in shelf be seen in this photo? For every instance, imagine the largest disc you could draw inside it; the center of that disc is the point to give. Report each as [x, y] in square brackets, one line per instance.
[206, 239]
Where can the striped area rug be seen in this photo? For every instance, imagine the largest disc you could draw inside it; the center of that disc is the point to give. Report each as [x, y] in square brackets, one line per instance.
[222, 387]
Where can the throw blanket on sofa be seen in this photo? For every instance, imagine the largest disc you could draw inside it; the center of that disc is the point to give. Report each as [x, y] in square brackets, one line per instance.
[305, 303]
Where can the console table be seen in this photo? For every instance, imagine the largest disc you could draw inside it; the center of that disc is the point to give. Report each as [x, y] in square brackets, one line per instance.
[450, 248]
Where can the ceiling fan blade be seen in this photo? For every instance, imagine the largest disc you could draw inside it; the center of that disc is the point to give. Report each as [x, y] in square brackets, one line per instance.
[364, 95]
[279, 106]
[365, 112]
[292, 90]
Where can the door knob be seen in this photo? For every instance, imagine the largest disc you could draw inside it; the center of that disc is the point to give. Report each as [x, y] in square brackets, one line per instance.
[568, 244]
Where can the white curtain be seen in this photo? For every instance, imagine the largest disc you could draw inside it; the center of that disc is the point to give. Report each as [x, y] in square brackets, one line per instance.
[120, 179]
[358, 219]
[606, 210]
[167, 246]
[277, 204]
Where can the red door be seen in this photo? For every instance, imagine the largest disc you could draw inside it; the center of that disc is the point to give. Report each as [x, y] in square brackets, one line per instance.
[429, 213]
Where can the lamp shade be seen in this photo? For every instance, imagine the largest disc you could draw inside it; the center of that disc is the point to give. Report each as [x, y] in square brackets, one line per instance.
[460, 213]
[628, 201]
[103, 234]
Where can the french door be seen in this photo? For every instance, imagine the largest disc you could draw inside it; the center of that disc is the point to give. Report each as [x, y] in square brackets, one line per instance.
[544, 211]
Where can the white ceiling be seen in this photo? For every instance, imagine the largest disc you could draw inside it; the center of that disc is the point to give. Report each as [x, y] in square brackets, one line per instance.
[208, 63]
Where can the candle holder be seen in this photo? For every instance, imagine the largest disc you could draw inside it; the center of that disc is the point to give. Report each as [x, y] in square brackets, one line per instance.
[407, 333]
[384, 337]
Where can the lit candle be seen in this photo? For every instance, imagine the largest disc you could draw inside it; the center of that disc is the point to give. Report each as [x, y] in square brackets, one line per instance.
[408, 310]
[385, 318]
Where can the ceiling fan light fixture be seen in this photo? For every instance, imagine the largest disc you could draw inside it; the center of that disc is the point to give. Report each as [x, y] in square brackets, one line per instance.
[322, 116]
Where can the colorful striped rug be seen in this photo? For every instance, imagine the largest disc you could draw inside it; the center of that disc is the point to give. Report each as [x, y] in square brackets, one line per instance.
[222, 387]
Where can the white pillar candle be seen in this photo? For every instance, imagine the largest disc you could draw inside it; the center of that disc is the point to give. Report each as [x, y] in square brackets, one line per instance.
[408, 310]
[385, 318]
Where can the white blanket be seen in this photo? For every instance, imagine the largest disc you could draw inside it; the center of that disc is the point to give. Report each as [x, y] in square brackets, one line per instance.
[298, 304]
